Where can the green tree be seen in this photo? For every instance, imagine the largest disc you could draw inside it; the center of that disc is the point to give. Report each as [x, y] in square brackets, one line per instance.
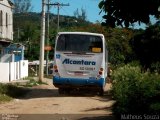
[28, 32]
[146, 45]
[119, 49]
[22, 6]
[80, 15]
[28, 37]
[126, 12]
[118, 42]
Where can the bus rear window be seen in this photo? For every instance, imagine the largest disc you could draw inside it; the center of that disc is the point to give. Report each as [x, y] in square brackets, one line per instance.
[79, 43]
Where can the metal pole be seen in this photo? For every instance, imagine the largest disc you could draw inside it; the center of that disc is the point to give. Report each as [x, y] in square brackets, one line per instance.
[36, 69]
[41, 59]
[58, 18]
[18, 34]
[47, 42]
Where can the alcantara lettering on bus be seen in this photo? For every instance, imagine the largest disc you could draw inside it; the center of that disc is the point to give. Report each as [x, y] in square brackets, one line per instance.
[78, 62]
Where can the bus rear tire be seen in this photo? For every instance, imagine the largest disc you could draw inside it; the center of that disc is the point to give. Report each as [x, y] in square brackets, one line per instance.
[61, 91]
[101, 92]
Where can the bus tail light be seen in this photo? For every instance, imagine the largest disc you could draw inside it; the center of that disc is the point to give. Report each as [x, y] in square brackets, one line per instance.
[55, 68]
[100, 71]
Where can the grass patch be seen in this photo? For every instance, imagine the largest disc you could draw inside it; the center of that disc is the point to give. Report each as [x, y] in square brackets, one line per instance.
[8, 92]
[17, 90]
[32, 82]
[4, 98]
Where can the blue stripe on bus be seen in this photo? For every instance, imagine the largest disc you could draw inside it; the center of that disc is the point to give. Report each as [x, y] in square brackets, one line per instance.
[78, 81]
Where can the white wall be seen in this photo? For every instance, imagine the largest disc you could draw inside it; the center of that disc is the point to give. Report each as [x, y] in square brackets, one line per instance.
[23, 68]
[13, 71]
[4, 72]
[17, 70]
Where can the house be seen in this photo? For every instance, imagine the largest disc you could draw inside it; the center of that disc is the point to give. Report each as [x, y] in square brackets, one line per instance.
[12, 63]
[6, 24]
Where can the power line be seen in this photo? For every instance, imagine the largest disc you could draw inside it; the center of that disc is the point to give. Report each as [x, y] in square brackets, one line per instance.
[66, 12]
[58, 9]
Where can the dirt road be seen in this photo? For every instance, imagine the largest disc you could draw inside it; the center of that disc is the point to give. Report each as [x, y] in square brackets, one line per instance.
[45, 99]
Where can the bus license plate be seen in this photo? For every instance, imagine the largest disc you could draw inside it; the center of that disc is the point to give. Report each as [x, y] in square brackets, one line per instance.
[78, 73]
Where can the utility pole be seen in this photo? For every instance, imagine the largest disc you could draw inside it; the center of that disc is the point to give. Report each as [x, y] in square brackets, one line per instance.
[41, 59]
[47, 41]
[58, 5]
[18, 34]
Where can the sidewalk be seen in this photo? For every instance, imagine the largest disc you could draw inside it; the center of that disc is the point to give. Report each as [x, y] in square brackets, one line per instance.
[19, 82]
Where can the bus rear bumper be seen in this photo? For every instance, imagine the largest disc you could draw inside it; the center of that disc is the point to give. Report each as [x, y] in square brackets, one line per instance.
[78, 83]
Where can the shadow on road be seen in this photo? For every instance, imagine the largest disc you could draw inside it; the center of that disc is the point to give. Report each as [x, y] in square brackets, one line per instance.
[46, 93]
[104, 117]
[99, 108]
[67, 117]
[41, 93]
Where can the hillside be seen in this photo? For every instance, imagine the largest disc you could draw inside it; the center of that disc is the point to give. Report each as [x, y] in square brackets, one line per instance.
[21, 19]
[27, 29]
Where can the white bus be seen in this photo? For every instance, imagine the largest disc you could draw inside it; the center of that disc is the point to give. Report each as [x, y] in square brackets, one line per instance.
[80, 61]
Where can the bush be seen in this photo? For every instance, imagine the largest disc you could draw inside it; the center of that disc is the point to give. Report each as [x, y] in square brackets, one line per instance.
[155, 67]
[135, 92]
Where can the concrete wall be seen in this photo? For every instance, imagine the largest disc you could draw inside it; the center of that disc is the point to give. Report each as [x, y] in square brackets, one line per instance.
[23, 68]
[4, 72]
[13, 71]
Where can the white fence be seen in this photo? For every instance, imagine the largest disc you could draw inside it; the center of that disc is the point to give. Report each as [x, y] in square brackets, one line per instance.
[13, 71]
